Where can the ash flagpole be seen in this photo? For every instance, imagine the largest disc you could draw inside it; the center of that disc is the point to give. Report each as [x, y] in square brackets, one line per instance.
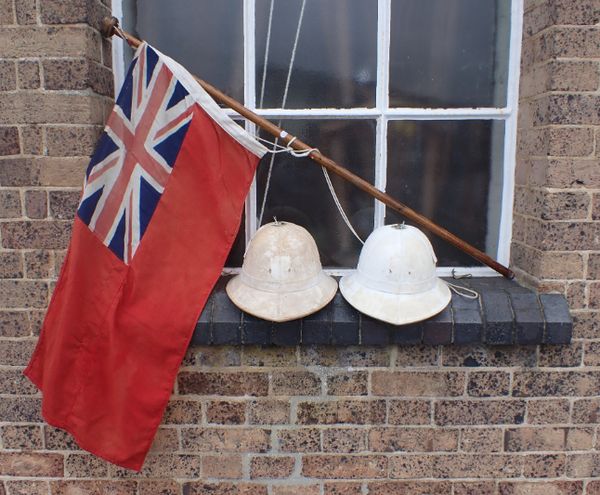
[110, 26]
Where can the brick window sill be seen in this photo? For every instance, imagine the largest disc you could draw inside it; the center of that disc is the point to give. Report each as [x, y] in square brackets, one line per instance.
[505, 314]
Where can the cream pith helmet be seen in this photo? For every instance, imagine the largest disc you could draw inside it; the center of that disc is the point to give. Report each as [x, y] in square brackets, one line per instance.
[281, 278]
[395, 280]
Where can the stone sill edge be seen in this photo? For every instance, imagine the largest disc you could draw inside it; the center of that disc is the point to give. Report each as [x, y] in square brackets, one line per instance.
[505, 314]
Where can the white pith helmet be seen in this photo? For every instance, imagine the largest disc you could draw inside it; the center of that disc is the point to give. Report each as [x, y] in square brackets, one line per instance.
[395, 279]
[281, 278]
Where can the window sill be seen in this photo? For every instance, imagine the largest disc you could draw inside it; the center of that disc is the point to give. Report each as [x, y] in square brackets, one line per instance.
[505, 314]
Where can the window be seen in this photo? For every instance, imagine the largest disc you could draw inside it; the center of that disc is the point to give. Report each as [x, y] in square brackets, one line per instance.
[419, 97]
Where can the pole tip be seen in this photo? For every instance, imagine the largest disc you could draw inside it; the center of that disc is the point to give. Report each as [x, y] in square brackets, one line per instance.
[109, 23]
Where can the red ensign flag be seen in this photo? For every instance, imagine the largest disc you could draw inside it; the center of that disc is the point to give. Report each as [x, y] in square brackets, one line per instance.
[160, 209]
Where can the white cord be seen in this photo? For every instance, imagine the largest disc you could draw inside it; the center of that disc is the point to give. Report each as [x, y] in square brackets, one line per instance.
[463, 291]
[267, 46]
[336, 200]
[284, 100]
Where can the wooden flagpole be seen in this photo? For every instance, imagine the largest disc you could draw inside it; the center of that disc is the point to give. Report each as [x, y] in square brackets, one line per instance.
[110, 26]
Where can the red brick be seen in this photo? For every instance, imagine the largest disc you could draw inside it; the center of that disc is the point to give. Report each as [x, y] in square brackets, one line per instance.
[36, 204]
[11, 265]
[10, 204]
[226, 412]
[12, 381]
[269, 356]
[158, 487]
[488, 383]
[36, 235]
[541, 488]
[344, 466]
[412, 440]
[409, 412]
[165, 440]
[71, 140]
[41, 465]
[417, 355]
[343, 411]
[39, 264]
[25, 437]
[356, 357]
[562, 356]
[474, 488]
[548, 411]
[57, 439]
[50, 108]
[586, 411]
[583, 465]
[348, 383]
[165, 465]
[295, 383]
[63, 204]
[214, 357]
[225, 439]
[485, 440]
[271, 466]
[85, 466]
[544, 465]
[556, 383]
[526, 439]
[86, 487]
[183, 412]
[417, 383]
[237, 488]
[14, 324]
[269, 412]
[304, 489]
[299, 440]
[28, 74]
[22, 487]
[229, 383]
[9, 139]
[22, 294]
[223, 466]
[345, 440]
[410, 487]
[479, 412]
[342, 488]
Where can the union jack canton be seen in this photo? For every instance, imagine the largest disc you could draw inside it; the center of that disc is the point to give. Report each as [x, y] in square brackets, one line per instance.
[135, 155]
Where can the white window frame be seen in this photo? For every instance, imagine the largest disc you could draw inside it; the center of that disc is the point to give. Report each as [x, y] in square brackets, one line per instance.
[383, 114]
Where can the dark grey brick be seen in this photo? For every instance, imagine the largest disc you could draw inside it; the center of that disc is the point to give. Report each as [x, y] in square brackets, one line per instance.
[498, 317]
[203, 331]
[287, 333]
[374, 332]
[316, 328]
[407, 334]
[559, 324]
[255, 331]
[226, 320]
[345, 322]
[529, 322]
[438, 329]
[468, 324]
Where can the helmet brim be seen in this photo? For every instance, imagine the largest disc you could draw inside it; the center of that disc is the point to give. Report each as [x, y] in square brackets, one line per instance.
[282, 306]
[397, 309]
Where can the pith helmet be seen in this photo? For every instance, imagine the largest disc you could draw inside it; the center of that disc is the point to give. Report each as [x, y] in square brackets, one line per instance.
[281, 278]
[395, 279]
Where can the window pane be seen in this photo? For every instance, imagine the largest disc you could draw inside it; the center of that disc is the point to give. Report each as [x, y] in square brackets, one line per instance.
[449, 53]
[299, 193]
[336, 57]
[450, 172]
[205, 36]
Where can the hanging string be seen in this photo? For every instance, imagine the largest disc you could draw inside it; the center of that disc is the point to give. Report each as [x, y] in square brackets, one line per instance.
[278, 148]
[283, 102]
[336, 200]
[463, 291]
[267, 47]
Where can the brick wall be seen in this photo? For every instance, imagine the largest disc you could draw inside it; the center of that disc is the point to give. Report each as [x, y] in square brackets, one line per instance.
[453, 420]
